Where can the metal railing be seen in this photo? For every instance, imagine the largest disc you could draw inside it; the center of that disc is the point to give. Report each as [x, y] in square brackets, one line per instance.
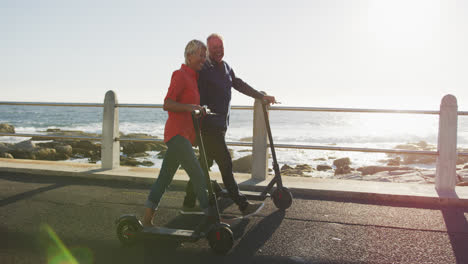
[113, 106]
[243, 144]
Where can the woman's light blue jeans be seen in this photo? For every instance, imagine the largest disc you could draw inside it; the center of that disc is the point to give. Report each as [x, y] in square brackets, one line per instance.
[179, 152]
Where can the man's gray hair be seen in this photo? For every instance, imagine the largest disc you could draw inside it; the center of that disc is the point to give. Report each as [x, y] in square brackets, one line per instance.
[214, 35]
[192, 47]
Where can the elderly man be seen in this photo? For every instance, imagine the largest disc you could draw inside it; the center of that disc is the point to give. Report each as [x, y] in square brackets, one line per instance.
[216, 79]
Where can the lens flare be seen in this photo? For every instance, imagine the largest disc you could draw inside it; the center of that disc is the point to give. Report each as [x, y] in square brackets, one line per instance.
[57, 252]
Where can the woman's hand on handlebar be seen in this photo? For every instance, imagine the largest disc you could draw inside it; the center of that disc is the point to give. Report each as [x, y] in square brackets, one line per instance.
[198, 110]
[196, 107]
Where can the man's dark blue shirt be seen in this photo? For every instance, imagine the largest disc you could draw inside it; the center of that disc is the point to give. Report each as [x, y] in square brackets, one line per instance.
[215, 83]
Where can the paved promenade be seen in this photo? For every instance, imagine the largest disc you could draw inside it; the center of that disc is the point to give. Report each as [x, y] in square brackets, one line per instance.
[410, 193]
[53, 209]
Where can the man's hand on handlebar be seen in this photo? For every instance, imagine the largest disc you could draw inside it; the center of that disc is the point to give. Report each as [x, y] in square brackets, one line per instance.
[267, 99]
[201, 110]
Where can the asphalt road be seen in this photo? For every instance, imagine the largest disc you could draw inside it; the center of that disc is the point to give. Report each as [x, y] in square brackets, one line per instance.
[51, 219]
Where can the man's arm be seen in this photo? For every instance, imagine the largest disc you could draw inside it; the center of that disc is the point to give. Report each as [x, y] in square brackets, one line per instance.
[246, 89]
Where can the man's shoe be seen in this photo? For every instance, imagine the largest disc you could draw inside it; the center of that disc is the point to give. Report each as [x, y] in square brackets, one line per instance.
[251, 209]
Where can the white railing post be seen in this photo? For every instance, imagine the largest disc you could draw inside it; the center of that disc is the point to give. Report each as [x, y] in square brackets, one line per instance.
[260, 144]
[110, 147]
[447, 145]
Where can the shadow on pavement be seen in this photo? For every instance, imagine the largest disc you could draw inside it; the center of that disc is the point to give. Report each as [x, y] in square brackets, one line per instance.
[64, 180]
[407, 204]
[457, 230]
[256, 237]
[28, 194]
[35, 248]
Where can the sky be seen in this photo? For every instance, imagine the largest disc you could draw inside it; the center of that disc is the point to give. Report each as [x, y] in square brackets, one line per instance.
[399, 54]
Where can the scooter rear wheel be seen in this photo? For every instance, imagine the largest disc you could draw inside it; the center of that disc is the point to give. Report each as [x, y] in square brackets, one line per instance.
[126, 232]
[282, 198]
[221, 240]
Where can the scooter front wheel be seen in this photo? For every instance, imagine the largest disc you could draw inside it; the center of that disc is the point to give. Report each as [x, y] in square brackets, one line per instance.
[282, 198]
[126, 232]
[221, 240]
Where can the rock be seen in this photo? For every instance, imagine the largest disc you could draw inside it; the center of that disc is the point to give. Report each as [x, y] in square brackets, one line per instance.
[5, 147]
[375, 169]
[58, 132]
[6, 155]
[27, 145]
[45, 154]
[147, 163]
[6, 128]
[304, 168]
[292, 172]
[132, 147]
[339, 163]
[243, 165]
[139, 155]
[323, 167]
[297, 171]
[161, 154]
[462, 160]
[247, 139]
[394, 162]
[240, 151]
[125, 161]
[414, 158]
[418, 159]
[59, 147]
[421, 145]
[23, 150]
[20, 154]
[65, 149]
[343, 170]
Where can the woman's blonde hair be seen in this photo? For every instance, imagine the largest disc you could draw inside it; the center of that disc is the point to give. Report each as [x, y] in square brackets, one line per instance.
[192, 47]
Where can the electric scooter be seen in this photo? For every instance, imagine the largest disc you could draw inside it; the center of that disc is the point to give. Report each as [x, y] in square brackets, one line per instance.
[281, 196]
[219, 235]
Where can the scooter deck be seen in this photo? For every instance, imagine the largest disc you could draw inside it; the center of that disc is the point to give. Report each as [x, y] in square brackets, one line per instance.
[170, 232]
[227, 218]
[256, 196]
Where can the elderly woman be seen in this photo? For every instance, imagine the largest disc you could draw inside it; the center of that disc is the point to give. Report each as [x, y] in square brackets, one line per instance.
[179, 135]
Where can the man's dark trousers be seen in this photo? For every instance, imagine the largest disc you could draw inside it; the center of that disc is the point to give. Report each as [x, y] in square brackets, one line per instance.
[216, 149]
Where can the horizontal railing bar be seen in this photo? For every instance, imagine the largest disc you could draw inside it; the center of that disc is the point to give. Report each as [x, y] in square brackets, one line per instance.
[140, 139]
[352, 110]
[140, 105]
[289, 146]
[394, 151]
[240, 107]
[52, 104]
[51, 136]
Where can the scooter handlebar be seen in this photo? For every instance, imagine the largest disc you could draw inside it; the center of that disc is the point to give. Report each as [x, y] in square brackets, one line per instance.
[205, 111]
[266, 102]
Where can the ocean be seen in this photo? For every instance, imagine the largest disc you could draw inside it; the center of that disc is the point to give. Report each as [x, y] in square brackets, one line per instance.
[361, 130]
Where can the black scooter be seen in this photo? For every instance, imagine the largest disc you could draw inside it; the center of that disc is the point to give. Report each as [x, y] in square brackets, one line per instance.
[282, 196]
[219, 235]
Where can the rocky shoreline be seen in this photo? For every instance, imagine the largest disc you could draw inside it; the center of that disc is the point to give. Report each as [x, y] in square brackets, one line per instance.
[394, 169]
